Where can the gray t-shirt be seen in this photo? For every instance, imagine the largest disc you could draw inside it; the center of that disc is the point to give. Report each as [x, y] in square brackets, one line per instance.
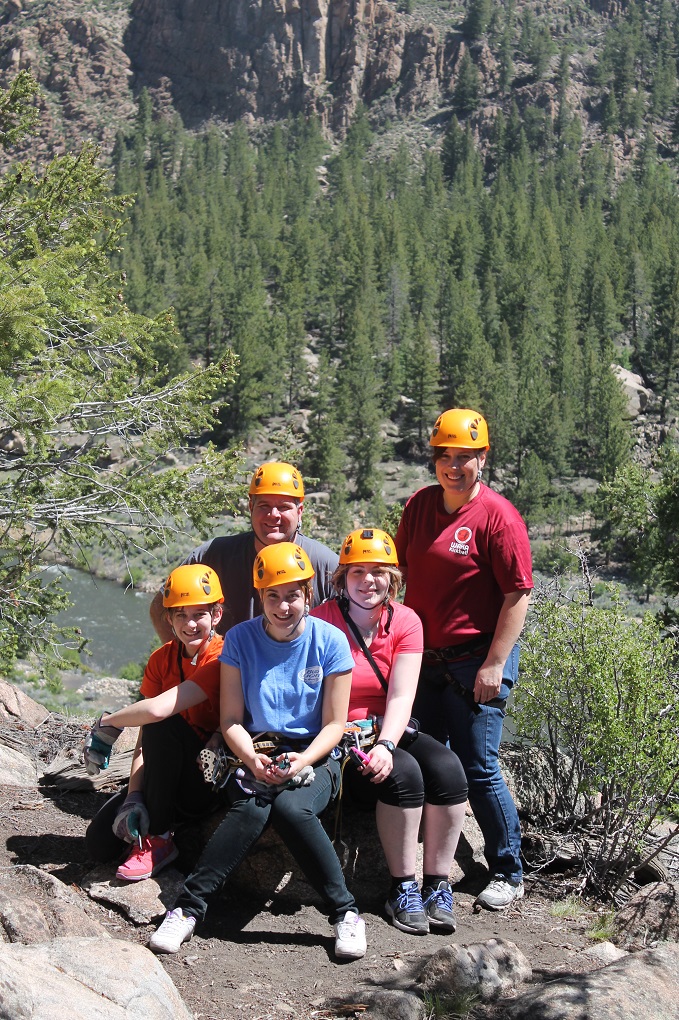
[232, 558]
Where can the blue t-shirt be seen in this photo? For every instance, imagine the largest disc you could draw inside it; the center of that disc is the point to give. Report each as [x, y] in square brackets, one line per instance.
[283, 680]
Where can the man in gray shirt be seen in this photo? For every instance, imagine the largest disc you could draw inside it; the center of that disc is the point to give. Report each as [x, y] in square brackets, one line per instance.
[276, 506]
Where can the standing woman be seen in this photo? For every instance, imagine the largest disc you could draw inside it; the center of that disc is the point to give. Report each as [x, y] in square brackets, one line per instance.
[414, 780]
[465, 553]
[286, 676]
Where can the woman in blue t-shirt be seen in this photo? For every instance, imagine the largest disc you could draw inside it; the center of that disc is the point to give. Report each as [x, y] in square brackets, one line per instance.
[286, 675]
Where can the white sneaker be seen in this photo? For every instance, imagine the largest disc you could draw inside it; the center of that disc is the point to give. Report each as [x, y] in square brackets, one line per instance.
[499, 893]
[350, 941]
[176, 929]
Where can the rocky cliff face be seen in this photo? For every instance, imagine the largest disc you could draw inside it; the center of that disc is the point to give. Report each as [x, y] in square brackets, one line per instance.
[76, 53]
[253, 59]
[265, 59]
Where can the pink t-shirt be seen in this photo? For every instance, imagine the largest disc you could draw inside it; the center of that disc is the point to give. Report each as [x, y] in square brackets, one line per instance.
[459, 566]
[368, 697]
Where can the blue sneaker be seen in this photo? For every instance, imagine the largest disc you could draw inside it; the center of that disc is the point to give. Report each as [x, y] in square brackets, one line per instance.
[406, 910]
[438, 905]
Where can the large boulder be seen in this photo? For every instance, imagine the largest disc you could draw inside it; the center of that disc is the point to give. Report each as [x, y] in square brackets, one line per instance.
[15, 706]
[35, 906]
[488, 969]
[650, 916]
[142, 902]
[636, 394]
[82, 978]
[643, 986]
[16, 769]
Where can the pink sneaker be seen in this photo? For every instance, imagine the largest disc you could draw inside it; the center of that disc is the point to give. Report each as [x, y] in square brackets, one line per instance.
[154, 854]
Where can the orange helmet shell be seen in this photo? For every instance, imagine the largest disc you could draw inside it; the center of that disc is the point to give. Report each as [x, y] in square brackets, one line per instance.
[280, 564]
[460, 427]
[193, 584]
[368, 545]
[277, 478]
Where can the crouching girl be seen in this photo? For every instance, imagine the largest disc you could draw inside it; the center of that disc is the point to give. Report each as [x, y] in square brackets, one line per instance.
[286, 675]
[176, 718]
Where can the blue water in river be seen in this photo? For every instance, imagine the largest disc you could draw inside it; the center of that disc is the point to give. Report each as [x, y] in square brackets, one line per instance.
[115, 620]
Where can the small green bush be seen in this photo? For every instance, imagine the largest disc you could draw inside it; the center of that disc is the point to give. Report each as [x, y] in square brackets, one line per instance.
[604, 689]
[132, 671]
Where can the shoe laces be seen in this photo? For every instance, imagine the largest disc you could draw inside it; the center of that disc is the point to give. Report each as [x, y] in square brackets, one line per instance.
[174, 919]
[348, 926]
[442, 896]
[499, 884]
[409, 898]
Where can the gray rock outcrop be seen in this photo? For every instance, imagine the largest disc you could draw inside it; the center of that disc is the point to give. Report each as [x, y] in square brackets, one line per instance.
[489, 969]
[82, 978]
[35, 907]
[15, 706]
[651, 915]
[142, 902]
[643, 986]
[637, 395]
[267, 60]
[16, 769]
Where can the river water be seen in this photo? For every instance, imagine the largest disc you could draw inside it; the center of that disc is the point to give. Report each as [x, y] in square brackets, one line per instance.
[115, 620]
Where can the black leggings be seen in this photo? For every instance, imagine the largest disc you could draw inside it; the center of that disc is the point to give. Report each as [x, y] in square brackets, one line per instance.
[174, 789]
[425, 771]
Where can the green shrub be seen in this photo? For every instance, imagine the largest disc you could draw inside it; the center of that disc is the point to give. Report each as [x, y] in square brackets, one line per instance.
[132, 671]
[604, 689]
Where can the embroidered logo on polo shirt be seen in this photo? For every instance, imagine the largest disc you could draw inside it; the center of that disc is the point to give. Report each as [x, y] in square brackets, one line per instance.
[311, 675]
[460, 545]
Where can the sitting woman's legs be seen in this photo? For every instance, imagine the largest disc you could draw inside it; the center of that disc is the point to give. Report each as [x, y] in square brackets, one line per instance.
[445, 788]
[174, 787]
[241, 828]
[102, 844]
[295, 816]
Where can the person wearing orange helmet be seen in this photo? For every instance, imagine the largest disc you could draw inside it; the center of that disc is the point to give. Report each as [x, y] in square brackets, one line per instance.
[465, 553]
[176, 719]
[285, 676]
[414, 781]
[276, 503]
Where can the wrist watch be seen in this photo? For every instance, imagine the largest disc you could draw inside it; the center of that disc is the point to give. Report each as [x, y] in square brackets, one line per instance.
[389, 744]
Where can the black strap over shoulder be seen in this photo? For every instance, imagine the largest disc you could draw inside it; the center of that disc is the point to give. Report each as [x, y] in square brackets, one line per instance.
[344, 610]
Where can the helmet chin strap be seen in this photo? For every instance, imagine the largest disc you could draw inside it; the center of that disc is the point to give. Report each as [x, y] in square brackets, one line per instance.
[345, 597]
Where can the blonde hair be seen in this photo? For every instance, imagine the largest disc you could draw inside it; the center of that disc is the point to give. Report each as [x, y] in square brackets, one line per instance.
[395, 577]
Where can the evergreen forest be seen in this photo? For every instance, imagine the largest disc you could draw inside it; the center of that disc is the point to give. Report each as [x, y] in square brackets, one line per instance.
[506, 270]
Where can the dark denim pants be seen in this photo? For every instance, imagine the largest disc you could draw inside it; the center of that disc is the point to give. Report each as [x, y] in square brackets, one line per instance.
[475, 738]
[294, 814]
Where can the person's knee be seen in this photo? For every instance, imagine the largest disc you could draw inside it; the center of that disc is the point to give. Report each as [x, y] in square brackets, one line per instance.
[163, 734]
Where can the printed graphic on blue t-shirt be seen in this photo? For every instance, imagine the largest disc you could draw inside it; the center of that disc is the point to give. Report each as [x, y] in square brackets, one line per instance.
[283, 680]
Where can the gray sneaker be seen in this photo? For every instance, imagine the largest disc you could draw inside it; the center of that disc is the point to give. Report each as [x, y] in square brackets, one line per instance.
[499, 893]
[406, 910]
[176, 929]
[438, 906]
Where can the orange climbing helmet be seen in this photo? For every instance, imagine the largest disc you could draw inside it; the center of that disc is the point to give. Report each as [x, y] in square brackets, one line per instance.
[368, 545]
[277, 478]
[460, 427]
[280, 564]
[193, 584]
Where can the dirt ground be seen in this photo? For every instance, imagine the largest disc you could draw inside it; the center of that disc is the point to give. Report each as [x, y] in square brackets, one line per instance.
[270, 960]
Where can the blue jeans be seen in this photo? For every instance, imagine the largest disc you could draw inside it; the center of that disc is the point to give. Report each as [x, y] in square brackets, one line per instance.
[475, 737]
[294, 814]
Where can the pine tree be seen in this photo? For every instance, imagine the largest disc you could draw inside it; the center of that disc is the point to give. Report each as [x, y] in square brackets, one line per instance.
[467, 87]
[76, 369]
[478, 16]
